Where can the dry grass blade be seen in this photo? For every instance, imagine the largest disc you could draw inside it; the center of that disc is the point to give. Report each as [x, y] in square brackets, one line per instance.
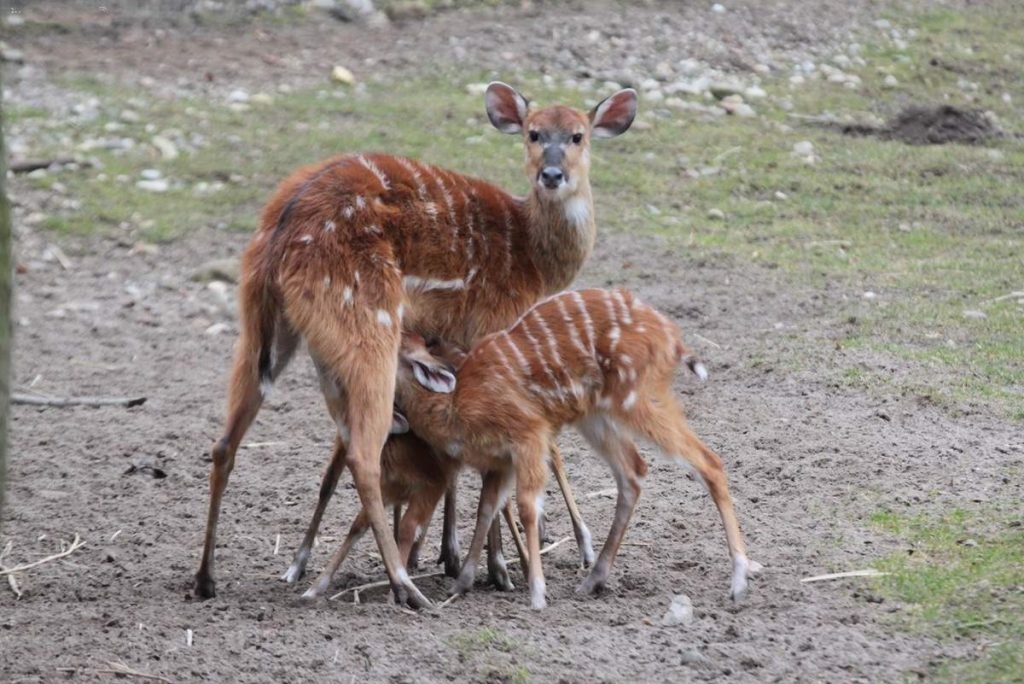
[34, 400]
[381, 583]
[122, 669]
[75, 545]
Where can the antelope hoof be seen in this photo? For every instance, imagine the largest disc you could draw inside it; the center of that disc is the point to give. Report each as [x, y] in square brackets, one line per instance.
[318, 589]
[498, 575]
[406, 592]
[537, 600]
[450, 558]
[738, 590]
[205, 587]
[594, 583]
[294, 573]
[464, 582]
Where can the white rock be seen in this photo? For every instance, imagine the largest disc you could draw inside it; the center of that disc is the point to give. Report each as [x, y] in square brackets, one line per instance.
[476, 89]
[975, 314]
[663, 71]
[680, 611]
[883, 24]
[754, 92]
[842, 61]
[745, 111]
[781, 196]
[890, 81]
[262, 99]
[167, 149]
[151, 174]
[762, 69]
[716, 214]
[654, 96]
[129, 116]
[869, 295]
[238, 96]
[718, 8]
[217, 329]
[803, 148]
[340, 74]
[160, 185]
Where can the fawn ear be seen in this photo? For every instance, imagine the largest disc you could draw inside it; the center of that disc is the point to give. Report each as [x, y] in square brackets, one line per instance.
[505, 107]
[614, 114]
[436, 377]
[399, 423]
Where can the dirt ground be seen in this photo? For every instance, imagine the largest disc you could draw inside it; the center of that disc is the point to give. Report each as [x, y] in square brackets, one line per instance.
[808, 458]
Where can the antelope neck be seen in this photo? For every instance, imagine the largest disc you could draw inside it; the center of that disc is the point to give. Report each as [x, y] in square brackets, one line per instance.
[562, 233]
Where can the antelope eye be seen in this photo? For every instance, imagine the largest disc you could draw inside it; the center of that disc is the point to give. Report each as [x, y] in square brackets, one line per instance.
[534, 136]
[577, 138]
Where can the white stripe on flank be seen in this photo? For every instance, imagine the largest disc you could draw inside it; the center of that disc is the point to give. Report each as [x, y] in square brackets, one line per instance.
[506, 364]
[629, 401]
[627, 319]
[415, 283]
[469, 224]
[523, 363]
[588, 323]
[524, 325]
[448, 202]
[556, 358]
[375, 170]
[508, 240]
[613, 319]
[329, 226]
[574, 334]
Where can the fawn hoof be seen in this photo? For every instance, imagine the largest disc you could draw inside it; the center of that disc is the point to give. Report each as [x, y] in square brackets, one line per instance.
[464, 582]
[205, 587]
[318, 588]
[407, 594]
[293, 574]
[452, 566]
[537, 599]
[594, 582]
[738, 590]
[499, 577]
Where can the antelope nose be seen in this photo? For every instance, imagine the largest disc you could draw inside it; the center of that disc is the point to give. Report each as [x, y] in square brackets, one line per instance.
[551, 176]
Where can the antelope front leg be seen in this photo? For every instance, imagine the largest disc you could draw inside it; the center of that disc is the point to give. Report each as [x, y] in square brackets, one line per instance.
[450, 551]
[579, 528]
[497, 569]
[323, 582]
[528, 499]
[492, 493]
[327, 486]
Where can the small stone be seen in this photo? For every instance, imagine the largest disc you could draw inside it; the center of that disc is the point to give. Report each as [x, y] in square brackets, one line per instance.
[227, 270]
[151, 174]
[716, 214]
[159, 185]
[476, 89]
[975, 314]
[663, 71]
[755, 92]
[762, 69]
[781, 196]
[262, 99]
[722, 91]
[129, 116]
[680, 611]
[238, 96]
[969, 542]
[340, 74]
[745, 111]
[217, 329]
[12, 56]
[718, 8]
[167, 149]
[804, 148]
[842, 61]
[890, 81]
[869, 295]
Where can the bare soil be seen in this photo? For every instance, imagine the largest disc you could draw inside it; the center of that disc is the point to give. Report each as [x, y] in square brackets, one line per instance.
[809, 460]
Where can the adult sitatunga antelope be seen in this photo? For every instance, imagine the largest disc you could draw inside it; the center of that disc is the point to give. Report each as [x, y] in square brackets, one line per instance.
[352, 249]
[599, 360]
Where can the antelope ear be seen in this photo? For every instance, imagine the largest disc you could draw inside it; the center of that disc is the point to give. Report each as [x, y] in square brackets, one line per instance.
[614, 114]
[434, 377]
[505, 107]
[399, 423]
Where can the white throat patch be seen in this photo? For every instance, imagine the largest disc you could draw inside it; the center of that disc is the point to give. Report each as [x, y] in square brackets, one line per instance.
[577, 211]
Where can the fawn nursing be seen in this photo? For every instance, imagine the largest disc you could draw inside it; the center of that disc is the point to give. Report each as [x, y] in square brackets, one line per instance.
[355, 249]
[599, 360]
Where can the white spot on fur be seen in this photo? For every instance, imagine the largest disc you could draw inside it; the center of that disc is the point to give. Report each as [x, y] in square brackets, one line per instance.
[384, 318]
[327, 281]
[306, 239]
[347, 212]
[577, 211]
[415, 283]
[346, 295]
[329, 226]
[604, 402]
[400, 313]
[626, 360]
[360, 202]
[629, 401]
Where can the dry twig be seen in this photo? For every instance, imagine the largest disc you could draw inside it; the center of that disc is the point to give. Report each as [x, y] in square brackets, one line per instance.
[36, 400]
[75, 545]
[867, 572]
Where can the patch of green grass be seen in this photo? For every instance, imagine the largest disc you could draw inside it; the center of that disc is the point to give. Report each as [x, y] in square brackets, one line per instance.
[962, 576]
[483, 639]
